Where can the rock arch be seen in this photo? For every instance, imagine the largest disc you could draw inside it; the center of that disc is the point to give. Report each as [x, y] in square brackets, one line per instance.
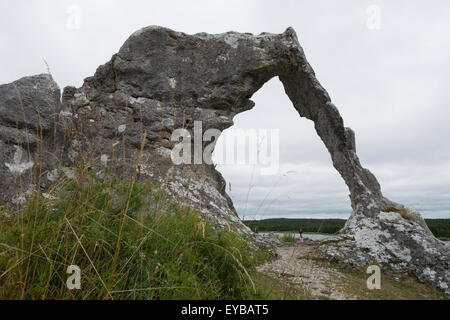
[161, 80]
[218, 74]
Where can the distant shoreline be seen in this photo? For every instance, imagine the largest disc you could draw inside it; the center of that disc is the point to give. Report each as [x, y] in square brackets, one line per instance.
[439, 227]
[328, 234]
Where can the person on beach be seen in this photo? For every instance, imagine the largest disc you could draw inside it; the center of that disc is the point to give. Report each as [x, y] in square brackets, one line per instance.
[301, 235]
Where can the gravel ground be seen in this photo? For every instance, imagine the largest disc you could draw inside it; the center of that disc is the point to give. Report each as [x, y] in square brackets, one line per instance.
[298, 263]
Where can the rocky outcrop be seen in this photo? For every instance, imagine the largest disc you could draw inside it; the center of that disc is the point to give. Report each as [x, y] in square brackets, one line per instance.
[29, 144]
[161, 80]
[396, 244]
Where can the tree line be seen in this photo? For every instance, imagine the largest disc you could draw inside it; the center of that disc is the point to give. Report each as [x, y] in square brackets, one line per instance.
[439, 227]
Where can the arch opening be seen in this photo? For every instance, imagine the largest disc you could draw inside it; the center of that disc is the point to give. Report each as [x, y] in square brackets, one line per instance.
[305, 184]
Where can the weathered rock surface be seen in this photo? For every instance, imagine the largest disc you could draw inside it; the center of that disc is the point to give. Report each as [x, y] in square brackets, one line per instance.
[162, 80]
[28, 142]
[397, 244]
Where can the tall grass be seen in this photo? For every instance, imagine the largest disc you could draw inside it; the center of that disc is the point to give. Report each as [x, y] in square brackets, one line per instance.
[288, 237]
[129, 241]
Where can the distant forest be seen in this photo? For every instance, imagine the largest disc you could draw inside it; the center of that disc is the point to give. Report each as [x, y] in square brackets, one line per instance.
[439, 227]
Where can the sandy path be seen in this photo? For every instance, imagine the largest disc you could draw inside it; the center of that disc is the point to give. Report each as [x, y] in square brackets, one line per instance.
[298, 263]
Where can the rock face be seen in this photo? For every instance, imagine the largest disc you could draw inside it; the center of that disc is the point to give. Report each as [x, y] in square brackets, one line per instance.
[396, 244]
[28, 143]
[162, 80]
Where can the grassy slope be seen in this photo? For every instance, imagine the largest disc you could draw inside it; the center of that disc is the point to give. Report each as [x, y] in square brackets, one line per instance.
[129, 242]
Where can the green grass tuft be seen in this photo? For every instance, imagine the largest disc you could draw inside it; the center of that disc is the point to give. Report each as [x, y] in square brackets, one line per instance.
[288, 237]
[129, 241]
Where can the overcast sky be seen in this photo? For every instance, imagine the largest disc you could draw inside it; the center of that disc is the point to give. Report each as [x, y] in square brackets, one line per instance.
[389, 78]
